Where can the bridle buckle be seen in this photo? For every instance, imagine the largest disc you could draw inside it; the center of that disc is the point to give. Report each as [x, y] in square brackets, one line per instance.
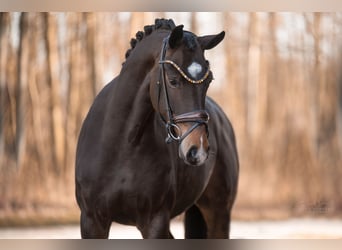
[174, 131]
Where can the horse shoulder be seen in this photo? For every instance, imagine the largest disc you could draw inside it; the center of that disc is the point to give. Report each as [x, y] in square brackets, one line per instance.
[227, 163]
[91, 133]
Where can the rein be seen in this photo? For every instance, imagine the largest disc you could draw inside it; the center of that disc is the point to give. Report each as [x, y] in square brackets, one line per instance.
[198, 117]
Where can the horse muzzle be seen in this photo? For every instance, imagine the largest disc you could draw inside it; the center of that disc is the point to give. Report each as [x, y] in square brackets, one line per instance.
[193, 143]
[194, 149]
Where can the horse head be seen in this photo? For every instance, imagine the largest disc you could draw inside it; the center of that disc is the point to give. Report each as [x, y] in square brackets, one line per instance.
[179, 89]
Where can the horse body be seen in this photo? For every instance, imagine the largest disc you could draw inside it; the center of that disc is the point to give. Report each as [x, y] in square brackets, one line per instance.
[125, 172]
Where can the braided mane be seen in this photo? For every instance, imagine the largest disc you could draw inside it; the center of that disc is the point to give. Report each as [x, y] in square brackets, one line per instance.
[159, 23]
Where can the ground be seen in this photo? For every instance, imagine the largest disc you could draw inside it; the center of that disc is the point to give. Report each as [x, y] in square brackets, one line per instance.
[306, 228]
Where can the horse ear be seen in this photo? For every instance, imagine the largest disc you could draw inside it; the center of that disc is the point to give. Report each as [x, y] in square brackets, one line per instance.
[176, 37]
[209, 42]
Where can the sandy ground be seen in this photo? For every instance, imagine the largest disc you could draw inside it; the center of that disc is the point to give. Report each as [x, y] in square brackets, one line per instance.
[287, 229]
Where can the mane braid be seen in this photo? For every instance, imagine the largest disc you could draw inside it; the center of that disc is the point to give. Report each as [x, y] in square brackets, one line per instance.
[159, 23]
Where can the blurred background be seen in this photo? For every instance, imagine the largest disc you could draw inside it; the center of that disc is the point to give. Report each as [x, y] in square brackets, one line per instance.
[278, 76]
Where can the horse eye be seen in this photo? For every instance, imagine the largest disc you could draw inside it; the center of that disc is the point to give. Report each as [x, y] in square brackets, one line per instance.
[173, 82]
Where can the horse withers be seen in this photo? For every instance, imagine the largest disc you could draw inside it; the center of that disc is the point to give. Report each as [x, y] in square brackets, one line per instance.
[153, 145]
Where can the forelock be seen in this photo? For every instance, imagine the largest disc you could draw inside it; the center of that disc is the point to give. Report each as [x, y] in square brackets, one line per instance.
[190, 40]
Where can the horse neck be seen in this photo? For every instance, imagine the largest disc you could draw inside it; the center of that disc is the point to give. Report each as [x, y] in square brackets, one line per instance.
[140, 62]
[131, 97]
[143, 56]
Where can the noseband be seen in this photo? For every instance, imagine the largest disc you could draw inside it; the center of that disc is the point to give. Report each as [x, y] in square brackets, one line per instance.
[198, 117]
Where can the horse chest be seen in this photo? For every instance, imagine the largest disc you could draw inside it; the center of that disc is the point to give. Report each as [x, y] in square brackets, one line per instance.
[190, 184]
[163, 185]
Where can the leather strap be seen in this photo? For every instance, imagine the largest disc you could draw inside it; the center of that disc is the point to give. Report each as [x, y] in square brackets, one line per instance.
[194, 116]
[198, 117]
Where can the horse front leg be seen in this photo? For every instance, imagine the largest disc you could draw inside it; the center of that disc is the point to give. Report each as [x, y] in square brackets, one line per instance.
[218, 222]
[216, 209]
[93, 227]
[157, 227]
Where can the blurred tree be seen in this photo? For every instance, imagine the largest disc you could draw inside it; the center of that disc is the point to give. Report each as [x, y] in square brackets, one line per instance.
[53, 83]
[253, 79]
[193, 22]
[20, 95]
[282, 93]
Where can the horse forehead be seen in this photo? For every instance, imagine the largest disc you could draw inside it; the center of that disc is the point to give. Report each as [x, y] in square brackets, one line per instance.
[195, 69]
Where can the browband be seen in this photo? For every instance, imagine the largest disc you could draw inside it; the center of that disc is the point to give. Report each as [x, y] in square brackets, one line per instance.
[184, 75]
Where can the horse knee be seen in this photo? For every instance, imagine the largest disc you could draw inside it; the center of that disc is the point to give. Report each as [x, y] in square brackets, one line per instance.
[93, 228]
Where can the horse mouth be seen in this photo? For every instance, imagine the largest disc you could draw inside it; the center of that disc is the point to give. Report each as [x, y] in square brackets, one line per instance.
[195, 163]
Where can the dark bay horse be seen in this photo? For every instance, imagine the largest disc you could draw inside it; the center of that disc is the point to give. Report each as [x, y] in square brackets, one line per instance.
[127, 172]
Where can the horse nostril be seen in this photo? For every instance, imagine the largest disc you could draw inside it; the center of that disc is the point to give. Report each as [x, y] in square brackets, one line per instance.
[192, 155]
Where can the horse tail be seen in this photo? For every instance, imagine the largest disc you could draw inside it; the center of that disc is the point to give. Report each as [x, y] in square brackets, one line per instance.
[195, 226]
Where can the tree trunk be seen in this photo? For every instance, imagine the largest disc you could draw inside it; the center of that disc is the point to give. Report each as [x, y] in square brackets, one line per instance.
[193, 22]
[22, 61]
[3, 26]
[56, 125]
[90, 48]
[253, 74]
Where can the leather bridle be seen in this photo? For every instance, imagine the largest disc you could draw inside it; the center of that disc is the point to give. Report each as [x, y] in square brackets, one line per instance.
[198, 117]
